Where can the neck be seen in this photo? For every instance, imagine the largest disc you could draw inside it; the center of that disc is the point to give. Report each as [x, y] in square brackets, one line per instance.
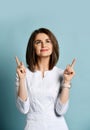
[43, 64]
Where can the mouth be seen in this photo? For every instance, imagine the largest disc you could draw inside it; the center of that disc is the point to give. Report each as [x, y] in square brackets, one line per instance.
[43, 50]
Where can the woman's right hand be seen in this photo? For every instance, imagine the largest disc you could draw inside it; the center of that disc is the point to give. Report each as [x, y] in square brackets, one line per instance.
[21, 70]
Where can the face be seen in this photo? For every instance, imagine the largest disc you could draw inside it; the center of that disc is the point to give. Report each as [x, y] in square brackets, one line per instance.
[43, 45]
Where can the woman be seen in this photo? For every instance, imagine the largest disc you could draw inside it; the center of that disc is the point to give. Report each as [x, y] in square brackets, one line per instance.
[42, 88]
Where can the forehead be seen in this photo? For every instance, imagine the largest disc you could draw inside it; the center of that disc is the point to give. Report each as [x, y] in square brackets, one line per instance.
[41, 36]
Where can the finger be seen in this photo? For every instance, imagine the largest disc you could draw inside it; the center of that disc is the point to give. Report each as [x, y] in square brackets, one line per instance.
[68, 70]
[73, 63]
[17, 61]
[68, 73]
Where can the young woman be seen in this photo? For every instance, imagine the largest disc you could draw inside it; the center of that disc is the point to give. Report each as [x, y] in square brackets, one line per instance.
[42, 88]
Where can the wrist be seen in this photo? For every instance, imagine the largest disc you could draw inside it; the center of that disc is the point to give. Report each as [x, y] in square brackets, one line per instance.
[21, 79]
[66, 85]
[66, 82]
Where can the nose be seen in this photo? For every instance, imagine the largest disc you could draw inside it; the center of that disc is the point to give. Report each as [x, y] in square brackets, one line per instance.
[43, 44]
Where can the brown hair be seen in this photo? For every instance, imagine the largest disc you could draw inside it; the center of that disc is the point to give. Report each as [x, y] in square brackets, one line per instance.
[31, 57]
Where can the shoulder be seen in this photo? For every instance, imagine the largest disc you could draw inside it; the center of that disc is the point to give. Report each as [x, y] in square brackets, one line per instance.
[58, 70]
[59, 73]
[28, 72]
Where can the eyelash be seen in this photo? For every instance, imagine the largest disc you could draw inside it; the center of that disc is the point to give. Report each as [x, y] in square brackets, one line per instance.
[38, 42]
[47, 41]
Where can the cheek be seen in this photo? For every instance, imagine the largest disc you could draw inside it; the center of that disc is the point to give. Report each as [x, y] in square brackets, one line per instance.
[37, 50]
[51, 48]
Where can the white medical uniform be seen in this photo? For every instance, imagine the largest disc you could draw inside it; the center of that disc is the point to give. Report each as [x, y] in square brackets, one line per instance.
[43, 106]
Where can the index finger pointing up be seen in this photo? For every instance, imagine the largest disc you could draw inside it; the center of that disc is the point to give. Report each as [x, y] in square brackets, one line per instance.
[17, 61]
[73, 62]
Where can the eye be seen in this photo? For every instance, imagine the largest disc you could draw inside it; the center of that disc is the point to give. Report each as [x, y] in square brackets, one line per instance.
[48, 41]
[37, 42]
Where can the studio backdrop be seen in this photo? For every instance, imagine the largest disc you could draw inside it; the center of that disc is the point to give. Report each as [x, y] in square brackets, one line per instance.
[70, 22]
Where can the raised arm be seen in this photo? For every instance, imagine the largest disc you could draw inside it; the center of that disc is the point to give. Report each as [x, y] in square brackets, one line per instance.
[62, 101]
[68, 75]
[21, 71]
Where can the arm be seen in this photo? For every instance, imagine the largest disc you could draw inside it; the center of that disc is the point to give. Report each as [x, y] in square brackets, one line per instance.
[22, 90]
[22, 94]
[63, 99]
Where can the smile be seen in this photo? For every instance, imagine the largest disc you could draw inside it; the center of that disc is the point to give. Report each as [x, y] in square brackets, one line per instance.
[43, 50]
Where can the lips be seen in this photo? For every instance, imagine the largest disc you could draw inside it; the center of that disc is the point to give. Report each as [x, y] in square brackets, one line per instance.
[42, 50]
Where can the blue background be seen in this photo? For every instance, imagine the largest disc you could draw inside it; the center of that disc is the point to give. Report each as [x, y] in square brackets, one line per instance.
[69, 20]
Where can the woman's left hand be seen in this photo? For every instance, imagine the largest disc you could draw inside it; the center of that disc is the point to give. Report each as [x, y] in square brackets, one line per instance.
[69, 72]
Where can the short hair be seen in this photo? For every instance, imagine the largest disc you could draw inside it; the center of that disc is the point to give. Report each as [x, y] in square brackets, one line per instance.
[31, 57]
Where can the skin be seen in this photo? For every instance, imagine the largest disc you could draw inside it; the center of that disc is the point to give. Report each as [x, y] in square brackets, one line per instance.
[68, 75]
[43, 45]
[43, 48]
[21, 71]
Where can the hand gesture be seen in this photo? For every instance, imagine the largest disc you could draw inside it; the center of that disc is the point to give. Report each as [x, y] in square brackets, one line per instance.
[21, 70]
[69, 72]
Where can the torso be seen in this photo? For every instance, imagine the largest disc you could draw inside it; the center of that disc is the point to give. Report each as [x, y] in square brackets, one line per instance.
[43, 92]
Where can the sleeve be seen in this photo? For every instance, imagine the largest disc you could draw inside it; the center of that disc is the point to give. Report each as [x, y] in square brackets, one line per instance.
[23, 106]
[61, 108]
